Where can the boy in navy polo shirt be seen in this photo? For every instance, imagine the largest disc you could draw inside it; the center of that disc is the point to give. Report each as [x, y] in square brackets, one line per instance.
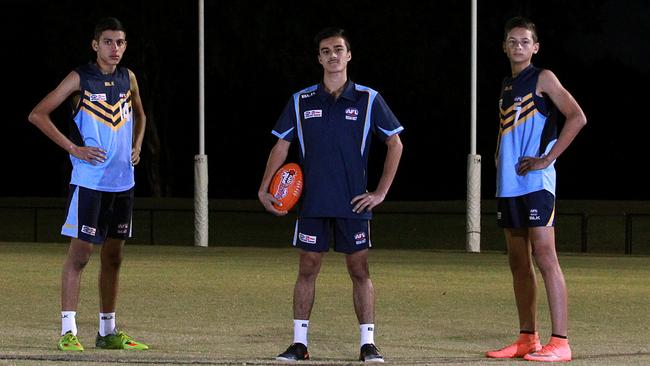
[332, 123]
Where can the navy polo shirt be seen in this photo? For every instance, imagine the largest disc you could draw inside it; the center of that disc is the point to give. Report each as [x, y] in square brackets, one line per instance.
[334, 142]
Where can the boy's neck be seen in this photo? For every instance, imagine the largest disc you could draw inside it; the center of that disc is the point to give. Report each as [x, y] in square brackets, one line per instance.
[334, 83]
[105, 68]
[518, 67]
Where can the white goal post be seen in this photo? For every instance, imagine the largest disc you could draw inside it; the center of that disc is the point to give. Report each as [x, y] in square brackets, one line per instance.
[473, 215]
[201, 211]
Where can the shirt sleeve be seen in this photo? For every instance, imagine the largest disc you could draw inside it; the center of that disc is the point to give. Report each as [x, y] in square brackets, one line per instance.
[285, 127]
[384, 122]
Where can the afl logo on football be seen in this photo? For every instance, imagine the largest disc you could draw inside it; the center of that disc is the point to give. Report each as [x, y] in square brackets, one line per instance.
[285, 182]
[351, 114]
[286, 186]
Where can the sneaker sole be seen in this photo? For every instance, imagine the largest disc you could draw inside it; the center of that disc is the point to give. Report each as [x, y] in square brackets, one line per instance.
[548, 359]
[284, 359]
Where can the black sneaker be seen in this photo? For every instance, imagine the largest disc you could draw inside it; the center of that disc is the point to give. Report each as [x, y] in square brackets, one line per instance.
[370, 353]
[295, 352]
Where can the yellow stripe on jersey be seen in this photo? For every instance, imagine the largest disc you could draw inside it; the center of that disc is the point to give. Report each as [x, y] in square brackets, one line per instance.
[519, 122]
[90, 113]
[98, 111]
[110, 107]
[523, 110]
[511, 108]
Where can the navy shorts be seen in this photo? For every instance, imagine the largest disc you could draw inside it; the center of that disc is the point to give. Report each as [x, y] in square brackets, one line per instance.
[95, 215]
[350, 235]
[534, 209]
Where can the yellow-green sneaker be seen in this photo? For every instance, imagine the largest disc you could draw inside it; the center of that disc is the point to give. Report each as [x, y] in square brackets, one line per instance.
[118, 341]
[69, 342]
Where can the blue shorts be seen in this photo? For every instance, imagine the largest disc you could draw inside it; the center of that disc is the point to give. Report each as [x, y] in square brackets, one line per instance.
[534, 209]
[350, 235]
[95, 215]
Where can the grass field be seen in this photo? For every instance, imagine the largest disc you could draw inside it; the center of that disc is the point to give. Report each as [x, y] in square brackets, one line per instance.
[232, 305]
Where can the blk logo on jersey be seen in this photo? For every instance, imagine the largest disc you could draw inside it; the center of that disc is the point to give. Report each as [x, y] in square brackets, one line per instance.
[109, 83]
[304, 96]
[351, 114]
[360, 238]
[314, 113]
[309, 239]
[97, 97]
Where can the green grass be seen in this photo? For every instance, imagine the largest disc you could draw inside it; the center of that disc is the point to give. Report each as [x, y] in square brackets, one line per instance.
[232, 305]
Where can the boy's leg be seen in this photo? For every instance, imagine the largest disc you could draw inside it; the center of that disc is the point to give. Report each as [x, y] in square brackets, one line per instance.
[79, 253]
[543, 239]
[523, 277]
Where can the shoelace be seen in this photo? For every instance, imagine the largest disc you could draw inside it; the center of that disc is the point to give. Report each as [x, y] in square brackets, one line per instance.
[372, 349]
[70, 338]
[124, 337]
[549, 348]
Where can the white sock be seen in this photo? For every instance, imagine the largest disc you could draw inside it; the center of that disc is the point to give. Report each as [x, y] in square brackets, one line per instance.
[367, 334]
[106, 324]
[300, 328]
[68, 323]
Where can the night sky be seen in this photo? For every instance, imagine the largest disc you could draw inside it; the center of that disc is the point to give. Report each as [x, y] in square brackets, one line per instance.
[415, 53]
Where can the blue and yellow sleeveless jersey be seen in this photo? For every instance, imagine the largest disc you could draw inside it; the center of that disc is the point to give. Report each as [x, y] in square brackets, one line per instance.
[334, 141]
[103, 118]
[527, 128]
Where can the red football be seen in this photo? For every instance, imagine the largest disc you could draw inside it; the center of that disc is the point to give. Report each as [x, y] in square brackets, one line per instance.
[286, 186]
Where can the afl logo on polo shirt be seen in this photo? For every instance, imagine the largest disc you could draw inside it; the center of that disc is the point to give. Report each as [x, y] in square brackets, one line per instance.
[351, 114]
[314, 113]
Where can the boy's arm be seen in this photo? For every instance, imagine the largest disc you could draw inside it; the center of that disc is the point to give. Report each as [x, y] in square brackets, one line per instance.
[277, 156]
[549, 84]
[367, 201]
[140, 122]
[40, 117]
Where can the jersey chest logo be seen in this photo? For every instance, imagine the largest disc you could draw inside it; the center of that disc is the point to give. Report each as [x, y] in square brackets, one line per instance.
[97, 97]
[351, 114]
[313, 113]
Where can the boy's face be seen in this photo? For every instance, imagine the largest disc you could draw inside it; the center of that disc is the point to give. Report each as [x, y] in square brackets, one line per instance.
[110, 47]
[333, 54]
[519, 45]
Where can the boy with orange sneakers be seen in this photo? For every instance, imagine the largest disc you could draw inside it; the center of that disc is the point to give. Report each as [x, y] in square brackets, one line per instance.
[527, 147]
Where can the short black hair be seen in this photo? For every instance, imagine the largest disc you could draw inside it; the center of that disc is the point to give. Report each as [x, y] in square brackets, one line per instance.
[108, 23]
[520, 22]
[331, 32]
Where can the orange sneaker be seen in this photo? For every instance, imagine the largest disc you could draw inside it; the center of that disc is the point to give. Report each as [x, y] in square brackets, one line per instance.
[556, 350]
[526, 343]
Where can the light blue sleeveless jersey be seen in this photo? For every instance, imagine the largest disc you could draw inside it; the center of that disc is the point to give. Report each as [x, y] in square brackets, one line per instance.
[104, 119]
[527, 128]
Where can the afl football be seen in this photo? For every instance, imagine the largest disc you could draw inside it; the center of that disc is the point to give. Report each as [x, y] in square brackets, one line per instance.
[286, 186]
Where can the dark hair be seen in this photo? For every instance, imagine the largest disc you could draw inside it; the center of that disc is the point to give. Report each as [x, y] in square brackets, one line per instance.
[520, 22]
[331, 32]
[108, 23]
